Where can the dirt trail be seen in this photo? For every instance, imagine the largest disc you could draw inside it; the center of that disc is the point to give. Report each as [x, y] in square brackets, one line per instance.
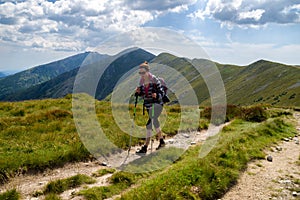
[27, 184]
[274, 180]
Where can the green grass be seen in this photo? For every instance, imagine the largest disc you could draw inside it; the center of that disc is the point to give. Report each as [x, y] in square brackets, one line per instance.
[41, 134]
[10, 195]
[119, 181]
[103, 172]
[35, 135]
[214, 174]
[50, 122]
[61, 185]
[52, 196]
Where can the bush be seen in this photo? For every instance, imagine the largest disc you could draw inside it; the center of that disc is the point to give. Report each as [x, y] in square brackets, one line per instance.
[254, 114]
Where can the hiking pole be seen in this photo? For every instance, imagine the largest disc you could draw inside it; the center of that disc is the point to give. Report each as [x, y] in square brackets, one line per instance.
[134, 113]
[152, 113]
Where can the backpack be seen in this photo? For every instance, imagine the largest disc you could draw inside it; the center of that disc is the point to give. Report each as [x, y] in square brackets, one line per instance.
[164, 86]
[165, 98]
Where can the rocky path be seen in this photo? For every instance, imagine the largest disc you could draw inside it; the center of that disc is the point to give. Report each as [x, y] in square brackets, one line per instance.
[276, 180]
[28, 184]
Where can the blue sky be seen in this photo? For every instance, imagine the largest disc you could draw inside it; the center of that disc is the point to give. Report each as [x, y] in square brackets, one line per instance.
[35, 32]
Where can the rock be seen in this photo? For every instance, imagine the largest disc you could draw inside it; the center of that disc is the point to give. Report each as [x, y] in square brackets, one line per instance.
[278, 148]
[287, 182]
[186, 135]
[295, 194]
[42, 183]
[286, 139]
[171, 141]
[73, 192]
[269, 158]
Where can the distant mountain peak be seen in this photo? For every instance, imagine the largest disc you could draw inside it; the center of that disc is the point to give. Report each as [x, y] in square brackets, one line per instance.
[263, 62]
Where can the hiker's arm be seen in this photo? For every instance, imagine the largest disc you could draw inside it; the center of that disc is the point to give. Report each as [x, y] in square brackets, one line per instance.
[138, 91]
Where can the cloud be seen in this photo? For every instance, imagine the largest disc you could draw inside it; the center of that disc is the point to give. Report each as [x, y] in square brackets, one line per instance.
[250, 12]
[158, 5]
[44, 23]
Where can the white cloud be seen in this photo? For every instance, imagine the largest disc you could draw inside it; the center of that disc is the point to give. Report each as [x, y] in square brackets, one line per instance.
[42, 23]
[158, 5]
[250, 13]
[253, 14]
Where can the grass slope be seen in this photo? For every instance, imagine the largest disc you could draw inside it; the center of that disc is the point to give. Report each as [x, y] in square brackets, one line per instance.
[210, 177]
[40, 134]
[262, 82]
[35, 135]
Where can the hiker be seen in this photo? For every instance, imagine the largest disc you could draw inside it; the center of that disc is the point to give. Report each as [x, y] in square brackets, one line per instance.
[152, 92]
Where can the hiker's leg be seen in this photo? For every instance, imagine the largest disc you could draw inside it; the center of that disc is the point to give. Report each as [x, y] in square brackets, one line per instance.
[148, 129]
[148, 136]
[157, 111]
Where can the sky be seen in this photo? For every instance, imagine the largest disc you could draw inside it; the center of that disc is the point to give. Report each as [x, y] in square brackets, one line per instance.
[35, 32]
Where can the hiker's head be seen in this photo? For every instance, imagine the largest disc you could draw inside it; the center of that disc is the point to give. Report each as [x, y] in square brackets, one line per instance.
[144, 68]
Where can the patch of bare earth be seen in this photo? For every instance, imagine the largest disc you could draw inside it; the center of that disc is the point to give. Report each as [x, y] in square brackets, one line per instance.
[278, 179]
[28, 184]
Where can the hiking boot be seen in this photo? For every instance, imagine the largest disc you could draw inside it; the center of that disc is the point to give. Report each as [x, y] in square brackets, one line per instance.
[142, 151]
[161, 144]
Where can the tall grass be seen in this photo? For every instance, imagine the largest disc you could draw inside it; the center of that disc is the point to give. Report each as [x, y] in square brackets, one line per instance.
[119, 181]
[43, 136]
[10, 195]
[61, 185]
[35, 135]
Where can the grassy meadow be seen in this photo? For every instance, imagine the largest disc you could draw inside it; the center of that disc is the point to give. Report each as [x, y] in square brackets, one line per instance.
[41, 134]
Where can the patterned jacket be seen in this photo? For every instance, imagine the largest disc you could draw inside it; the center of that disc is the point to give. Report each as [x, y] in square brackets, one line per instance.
[154, 87]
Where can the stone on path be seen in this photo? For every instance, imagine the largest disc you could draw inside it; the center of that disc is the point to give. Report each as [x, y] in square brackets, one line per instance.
[270, 158]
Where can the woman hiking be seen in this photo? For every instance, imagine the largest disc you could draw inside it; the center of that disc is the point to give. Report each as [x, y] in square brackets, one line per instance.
[152, 92]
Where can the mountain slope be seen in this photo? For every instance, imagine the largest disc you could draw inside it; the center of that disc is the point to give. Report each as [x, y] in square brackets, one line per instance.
[34, 76]
[2, 75]
[63, 84]
[265, 82]
[260, 82]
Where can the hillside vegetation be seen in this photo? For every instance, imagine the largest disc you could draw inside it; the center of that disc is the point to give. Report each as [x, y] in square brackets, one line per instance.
[37, 135]
[262, 82]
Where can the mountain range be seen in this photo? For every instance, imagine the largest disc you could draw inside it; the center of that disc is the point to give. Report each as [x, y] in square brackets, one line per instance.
[260, 82]
[2, 74]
